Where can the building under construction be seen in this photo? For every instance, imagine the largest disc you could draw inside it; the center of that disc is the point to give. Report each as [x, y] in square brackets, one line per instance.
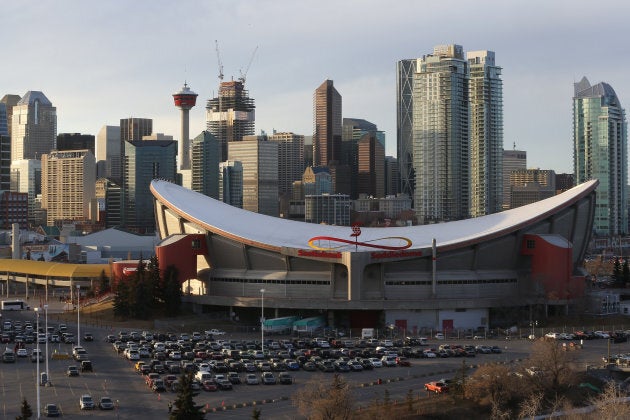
[230, 115]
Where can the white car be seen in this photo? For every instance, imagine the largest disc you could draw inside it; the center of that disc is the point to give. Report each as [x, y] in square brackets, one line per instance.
[22, 353]
[376, 362]
[214, 332]
[86, 402]
[429, 354]
[251, 379]
[552, 335]
[389, 361]
[439, 336]
[601, 334]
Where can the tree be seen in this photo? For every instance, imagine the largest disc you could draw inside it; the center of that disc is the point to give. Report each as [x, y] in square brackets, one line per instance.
[319, 400]
[255, 414]
[610, 404]
[625, 273]
[156, 282]
[103, 283]
[172, 292]
[122, 300]
[492, 384]
[184, 406]
[25, 411]
[555, 361]
[617, 274]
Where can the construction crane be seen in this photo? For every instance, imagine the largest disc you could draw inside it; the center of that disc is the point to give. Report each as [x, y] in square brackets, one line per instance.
[216, 44]
[244, 73]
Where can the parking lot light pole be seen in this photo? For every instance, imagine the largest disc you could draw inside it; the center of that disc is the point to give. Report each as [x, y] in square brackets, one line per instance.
[78, 315]
[37, 379]
[46, 313]
[262, 321]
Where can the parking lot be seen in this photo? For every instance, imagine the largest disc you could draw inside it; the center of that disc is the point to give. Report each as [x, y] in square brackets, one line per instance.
[235, 360]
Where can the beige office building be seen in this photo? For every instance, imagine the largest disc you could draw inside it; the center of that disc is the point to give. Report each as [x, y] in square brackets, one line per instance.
[68, 185]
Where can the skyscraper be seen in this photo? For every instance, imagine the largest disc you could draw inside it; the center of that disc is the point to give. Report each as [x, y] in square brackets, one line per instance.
[9, 102]
[132, 129]
[513, 160]
[371, 166]
[230, 116]
[290, 159]
[68, 185]
[206, 155]
[259, 158]
[33, 127]
[440, 135]
[75, 141]
[26, 177]
[231, 183]
[601, 152]
[326, 124]
[405, 71]
[486, 133]
[143, 162]
[108, 154]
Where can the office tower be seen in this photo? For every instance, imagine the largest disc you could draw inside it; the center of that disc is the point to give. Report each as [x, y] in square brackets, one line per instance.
[68, 185]
[9, 101]
[564, 182]
[4, 121]
[441, 136]
[133, 129]
[231, 183]
[290, 159]
[144, 161]
[330, 209]
[353, 129]
[308, 151]
[531, 185]
[206, 155]
[405, 71]
[486, 133]
[108, 153]
[157, 136]
[513, 160]
[5, 162]
[113, 205]
[13, 209]
[327, 122]
[33, 127]
[600, 151]
[230, 116]
[316, 181]
[184, 99]
[26, 177]
[76, 141]
[392, 176]
[260, 173]
[371, 166]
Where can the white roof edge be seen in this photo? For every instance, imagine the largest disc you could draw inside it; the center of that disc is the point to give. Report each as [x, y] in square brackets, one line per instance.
[275, 232]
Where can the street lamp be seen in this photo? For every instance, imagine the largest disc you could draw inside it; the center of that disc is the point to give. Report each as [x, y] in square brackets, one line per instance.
[46, 313]
[533, 324]
[78, 315]
[37, 377]
[262, 320]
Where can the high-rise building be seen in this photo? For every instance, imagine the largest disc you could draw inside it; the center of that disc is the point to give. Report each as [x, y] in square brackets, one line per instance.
[33, 127]
[108, 154]
[371, 166]
[600, 151]
[75, 141]
[392, 176]
[316, 181]
[259, 158]
[143, 162]
[26, 177]
[13, 209]
[4, 121]
[184, 99]
[513, 160]
[564, 182]
[68, 185]
[441, 136]
[330, 209]
[354, 129]
[290, 159]
[230, 116]
[206, 155]
[405, 71]
[486, 133]
[5, 162]
[531, 185]
[231, 183]
[133, 129]
[9, 101]
[327, 122]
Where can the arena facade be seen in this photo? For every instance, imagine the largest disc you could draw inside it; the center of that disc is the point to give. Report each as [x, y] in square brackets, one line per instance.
[454, 275]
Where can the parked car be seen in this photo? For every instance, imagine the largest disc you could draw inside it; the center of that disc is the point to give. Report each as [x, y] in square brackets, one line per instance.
[72, 371]
[439, 387]
[268, 378]
[86, 402]
[106, 403]
[251, 379]
[284, 378]
[51, 410]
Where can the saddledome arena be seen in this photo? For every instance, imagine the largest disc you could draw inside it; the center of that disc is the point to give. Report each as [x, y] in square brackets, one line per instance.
[454, 275]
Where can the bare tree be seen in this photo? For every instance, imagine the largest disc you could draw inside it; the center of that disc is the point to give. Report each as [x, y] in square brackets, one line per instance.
[319, 400]
[492, 384]
[555, 362]
[610, 404]
[531, 406]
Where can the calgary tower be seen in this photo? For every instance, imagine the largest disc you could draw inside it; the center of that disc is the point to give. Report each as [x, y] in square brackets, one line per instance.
[185, 99]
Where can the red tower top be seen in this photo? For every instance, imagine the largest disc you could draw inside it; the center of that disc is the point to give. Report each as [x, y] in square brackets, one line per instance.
[185, 98]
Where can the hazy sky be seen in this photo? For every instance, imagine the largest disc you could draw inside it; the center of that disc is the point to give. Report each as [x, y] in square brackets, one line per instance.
[101, 61]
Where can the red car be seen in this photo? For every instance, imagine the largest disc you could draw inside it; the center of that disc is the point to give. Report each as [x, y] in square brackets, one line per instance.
[438, 387]
[403, 361]
[209, 385]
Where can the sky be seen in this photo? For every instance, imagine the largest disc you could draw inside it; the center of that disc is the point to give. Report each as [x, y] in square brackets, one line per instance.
[100, 61]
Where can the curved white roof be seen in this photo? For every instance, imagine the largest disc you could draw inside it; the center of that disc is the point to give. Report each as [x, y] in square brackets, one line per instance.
[273, 232]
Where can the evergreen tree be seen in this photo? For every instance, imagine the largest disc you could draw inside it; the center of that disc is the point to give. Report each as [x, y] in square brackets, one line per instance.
[156, 282]
[184, 406]
[25, 411]
[617, 274]
[172, 292]
[625, 273]
[103, 283]
[122, 301]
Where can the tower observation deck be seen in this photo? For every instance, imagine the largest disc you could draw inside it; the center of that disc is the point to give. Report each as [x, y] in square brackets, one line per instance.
[185, 99]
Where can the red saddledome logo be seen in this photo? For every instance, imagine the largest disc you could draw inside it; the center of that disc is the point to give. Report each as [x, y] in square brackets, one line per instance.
[330, 243]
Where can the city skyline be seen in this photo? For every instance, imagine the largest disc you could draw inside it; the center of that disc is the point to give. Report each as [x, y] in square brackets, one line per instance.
[97, 54]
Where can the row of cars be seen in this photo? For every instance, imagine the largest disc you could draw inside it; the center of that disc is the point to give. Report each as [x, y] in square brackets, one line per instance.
[616, 336]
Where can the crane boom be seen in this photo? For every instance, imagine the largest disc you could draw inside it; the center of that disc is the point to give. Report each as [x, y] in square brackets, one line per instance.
[216, 44]
[244, 73]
